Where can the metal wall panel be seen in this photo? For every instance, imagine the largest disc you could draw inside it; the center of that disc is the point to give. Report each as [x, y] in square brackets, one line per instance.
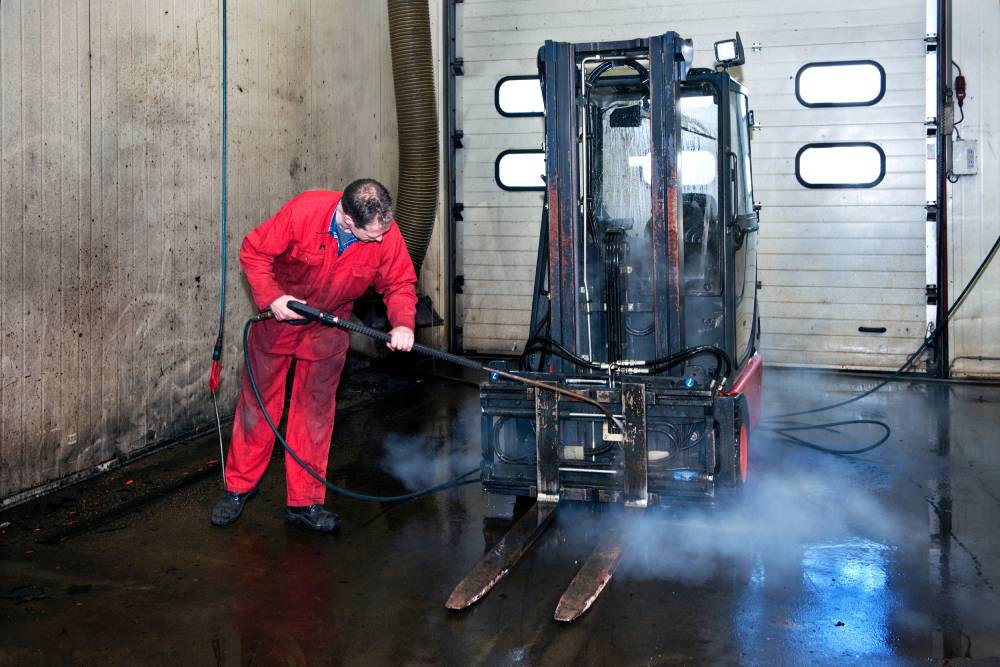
[974, 221]
[830, 260]
[109, 202]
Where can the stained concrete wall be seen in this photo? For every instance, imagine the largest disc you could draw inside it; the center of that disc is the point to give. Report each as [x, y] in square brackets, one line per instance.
[109, 202]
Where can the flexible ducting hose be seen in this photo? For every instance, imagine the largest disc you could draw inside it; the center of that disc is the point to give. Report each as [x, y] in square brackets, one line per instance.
[416, 118]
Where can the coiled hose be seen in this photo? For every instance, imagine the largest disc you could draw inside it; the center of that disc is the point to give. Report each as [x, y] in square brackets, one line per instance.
[417, 122]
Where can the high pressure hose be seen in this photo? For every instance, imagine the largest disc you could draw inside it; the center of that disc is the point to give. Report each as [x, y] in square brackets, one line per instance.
[333, 320]
[451, 483]
[417, 122]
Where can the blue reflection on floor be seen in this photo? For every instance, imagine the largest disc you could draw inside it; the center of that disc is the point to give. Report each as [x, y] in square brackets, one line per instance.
[844, 605]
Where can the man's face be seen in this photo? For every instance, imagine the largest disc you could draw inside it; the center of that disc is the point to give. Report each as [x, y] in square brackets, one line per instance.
[372, 232]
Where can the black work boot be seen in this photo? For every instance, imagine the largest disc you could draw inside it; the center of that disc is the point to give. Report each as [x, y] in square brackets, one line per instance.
[230, 506]
[314, 517]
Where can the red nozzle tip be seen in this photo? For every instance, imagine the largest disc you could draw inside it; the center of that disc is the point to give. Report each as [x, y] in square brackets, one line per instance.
[214, 377]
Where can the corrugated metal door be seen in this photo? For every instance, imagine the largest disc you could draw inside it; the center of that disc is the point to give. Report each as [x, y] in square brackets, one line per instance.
[832, 261]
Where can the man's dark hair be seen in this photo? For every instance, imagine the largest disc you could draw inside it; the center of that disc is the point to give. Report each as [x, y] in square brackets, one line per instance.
[368, 202]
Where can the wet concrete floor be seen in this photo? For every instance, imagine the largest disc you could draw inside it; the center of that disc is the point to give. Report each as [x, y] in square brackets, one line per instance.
[891, 557]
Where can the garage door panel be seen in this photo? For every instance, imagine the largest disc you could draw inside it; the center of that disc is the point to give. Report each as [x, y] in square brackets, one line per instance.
[834, 262]
[825, 231]
[768, 147]
[844, 247]
[868, 198]
[479, 340]
[875, 280]
[723, 9]
[778, 326]
[783, 46]
[500, 198]
[520, 273]
[779, 79]
[844, 214]
[510, 248]
[874, 361]
[499, 296]
[844, 344]
[820, 309]
[781, 167]
[494, 123]
[709, 20]
[835, 296]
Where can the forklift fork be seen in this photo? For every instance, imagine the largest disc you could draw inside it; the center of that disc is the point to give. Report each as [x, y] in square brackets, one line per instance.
[599, 567]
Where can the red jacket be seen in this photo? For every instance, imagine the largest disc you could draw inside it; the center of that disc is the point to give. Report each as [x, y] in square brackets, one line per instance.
[294, 253]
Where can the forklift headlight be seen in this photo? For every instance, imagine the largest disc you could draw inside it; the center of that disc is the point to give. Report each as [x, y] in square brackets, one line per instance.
[729, 52]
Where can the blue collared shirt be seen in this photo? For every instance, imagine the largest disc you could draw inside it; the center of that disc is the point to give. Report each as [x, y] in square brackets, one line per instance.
[344, 237]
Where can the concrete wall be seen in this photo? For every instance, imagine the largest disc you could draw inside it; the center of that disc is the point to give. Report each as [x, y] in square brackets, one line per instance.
[975, 203]
[109, 201]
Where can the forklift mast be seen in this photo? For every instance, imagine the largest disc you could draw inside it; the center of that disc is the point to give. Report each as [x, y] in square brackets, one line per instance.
[645, 286]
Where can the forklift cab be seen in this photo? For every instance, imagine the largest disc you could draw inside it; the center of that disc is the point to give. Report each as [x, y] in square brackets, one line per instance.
[717, 217]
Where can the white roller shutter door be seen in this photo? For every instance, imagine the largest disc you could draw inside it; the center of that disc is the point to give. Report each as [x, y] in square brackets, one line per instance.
[831, 260]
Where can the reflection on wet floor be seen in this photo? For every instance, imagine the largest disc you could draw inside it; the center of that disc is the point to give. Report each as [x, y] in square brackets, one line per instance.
[889, 556]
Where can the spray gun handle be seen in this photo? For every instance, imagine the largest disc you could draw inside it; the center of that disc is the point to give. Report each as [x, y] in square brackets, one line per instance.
[309, 312]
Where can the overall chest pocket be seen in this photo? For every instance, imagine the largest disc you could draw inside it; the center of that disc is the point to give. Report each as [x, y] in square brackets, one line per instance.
[312, 258]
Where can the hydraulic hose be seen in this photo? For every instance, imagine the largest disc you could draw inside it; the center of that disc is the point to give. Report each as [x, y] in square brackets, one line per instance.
[417, 123]
[455, 481]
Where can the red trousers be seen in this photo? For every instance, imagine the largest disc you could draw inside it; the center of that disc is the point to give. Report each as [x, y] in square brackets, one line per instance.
[310, 422]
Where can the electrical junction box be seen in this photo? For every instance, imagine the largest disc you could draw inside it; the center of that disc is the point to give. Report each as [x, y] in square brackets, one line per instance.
[964, 157]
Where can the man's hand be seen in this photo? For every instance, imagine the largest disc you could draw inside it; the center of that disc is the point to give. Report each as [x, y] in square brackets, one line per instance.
[282, 312]
[401, 339]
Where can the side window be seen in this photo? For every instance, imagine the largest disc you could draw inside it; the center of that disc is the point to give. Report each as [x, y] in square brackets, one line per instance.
[745, 279]
[739, 123]
[698, 168]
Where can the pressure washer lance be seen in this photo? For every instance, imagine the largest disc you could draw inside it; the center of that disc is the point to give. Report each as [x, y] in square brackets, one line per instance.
[332, 320]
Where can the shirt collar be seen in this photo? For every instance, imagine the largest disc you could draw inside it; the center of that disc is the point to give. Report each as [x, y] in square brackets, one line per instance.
[344, 237]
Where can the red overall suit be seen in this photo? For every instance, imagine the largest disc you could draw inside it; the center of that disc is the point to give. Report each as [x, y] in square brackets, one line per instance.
[294, 253]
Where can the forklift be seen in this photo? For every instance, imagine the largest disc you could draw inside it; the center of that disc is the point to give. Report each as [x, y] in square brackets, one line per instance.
[644, 321]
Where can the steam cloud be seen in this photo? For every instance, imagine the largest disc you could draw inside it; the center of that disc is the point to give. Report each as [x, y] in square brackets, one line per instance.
[423, 461]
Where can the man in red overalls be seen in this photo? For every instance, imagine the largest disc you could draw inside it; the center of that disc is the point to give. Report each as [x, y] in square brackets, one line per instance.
[323, 248]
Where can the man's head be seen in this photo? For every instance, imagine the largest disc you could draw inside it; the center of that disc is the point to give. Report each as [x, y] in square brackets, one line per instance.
[367, 209]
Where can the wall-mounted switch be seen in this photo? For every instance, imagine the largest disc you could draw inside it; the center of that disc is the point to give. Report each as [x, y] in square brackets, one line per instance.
[964, 157]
